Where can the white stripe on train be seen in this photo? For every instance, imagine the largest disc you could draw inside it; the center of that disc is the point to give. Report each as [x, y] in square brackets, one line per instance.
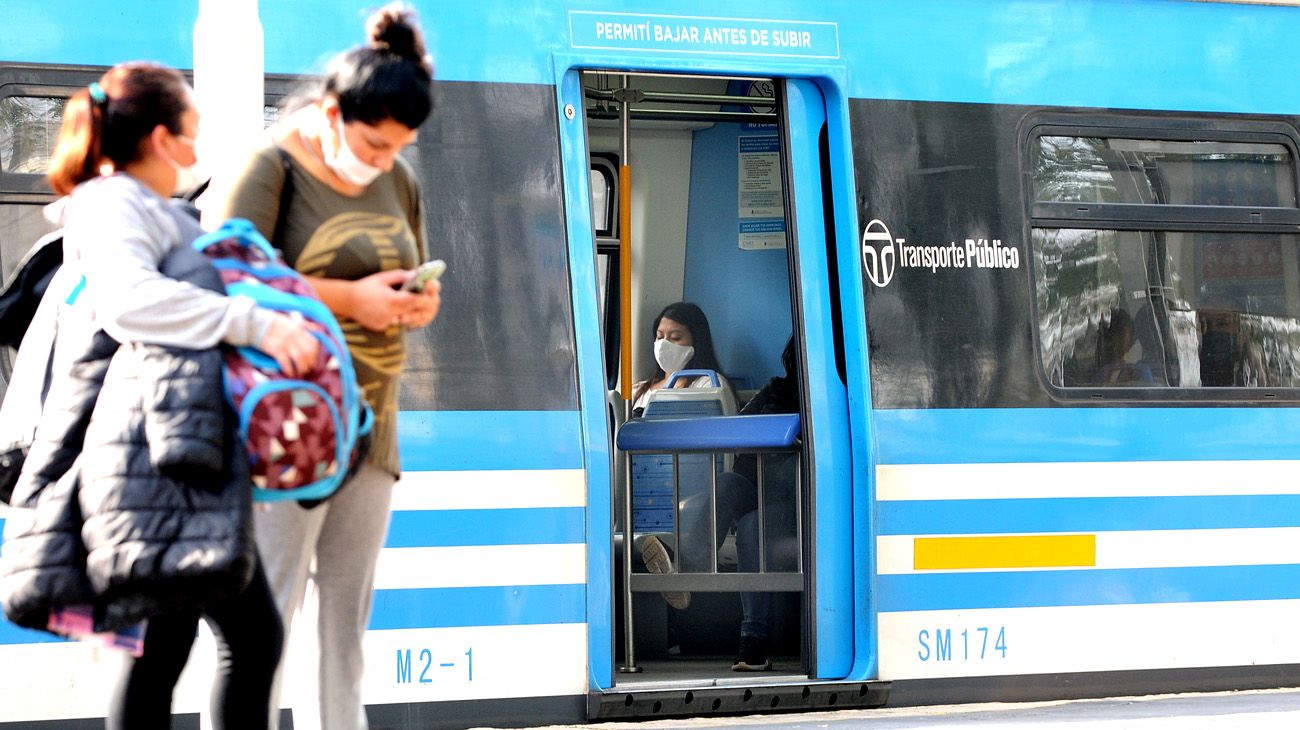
[1085, 479]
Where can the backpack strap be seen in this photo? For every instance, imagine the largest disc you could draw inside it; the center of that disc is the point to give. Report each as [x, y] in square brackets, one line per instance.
[286, 195]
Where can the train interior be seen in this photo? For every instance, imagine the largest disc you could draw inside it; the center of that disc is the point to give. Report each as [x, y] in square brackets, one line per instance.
[708, 226]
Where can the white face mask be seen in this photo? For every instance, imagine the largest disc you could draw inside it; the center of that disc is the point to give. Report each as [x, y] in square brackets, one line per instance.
[345, 163]
[188, 177]
[672, 356]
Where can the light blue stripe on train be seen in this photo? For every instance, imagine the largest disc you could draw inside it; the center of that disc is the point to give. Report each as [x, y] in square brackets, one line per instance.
[1043, 435]
[489, 440]
[1103, 587]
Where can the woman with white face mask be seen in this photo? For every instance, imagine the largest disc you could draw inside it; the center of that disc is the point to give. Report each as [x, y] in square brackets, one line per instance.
[682, 342]
[354, 226]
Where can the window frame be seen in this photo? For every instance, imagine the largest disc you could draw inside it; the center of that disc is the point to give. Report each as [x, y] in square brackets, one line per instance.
[608, 244]
[61, 81]
[40, 81]
[1173, 127]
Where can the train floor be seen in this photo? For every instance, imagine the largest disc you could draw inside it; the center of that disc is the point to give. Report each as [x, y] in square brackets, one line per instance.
[707, 671]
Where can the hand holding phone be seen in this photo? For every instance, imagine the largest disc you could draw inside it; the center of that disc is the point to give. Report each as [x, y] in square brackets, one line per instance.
[427, 272]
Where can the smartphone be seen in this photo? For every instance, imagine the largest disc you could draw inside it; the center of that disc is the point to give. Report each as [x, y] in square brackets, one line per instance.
[427, 272]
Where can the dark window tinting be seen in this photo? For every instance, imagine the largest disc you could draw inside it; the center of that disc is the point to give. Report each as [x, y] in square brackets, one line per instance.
[1131, 296]
[29, 129]
[1163, 172]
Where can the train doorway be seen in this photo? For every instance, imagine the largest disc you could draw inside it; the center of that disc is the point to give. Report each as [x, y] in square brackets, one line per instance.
[708, 191]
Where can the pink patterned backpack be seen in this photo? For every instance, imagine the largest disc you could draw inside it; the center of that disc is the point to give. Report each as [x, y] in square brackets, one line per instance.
[303, 435]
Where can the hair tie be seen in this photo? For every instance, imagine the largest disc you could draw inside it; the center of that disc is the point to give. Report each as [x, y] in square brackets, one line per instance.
[97, 93]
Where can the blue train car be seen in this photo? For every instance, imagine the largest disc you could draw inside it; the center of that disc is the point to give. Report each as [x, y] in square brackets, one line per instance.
[1041, 264]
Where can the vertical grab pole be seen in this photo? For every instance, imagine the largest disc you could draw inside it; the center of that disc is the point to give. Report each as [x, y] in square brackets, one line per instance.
[762, 536]
[677, 513]
[629, 650]
[713, 512]
[625, 378]
[625, 244]
[798, 509]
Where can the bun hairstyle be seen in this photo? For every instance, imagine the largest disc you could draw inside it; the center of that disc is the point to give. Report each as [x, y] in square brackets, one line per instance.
[109, 120]
[391, 77]
[395, 28]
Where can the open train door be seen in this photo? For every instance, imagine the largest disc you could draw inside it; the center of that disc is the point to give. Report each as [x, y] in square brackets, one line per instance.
[825, 286]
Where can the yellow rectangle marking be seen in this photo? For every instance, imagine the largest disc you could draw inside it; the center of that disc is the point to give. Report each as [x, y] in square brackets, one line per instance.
[1004, 551]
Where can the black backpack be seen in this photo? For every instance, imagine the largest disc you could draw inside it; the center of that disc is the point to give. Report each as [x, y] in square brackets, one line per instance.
[25, 287]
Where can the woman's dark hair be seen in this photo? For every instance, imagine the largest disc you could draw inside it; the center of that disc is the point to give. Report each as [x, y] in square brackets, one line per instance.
[692, 317]
[129, 101]
[785, 390]
[790, 360]
[391, 77]
[1115, 338]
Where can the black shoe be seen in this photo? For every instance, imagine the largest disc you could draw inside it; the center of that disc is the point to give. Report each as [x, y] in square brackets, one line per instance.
[752, 656]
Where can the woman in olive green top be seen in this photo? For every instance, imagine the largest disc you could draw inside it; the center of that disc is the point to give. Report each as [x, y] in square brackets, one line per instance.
[354, 226]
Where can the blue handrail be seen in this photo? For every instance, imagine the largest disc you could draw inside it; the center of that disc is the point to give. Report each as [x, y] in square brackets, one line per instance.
[715, 433]
[712, 375]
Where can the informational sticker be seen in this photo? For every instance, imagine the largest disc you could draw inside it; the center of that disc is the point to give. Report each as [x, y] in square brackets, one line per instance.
[703, 35]
[762, 211]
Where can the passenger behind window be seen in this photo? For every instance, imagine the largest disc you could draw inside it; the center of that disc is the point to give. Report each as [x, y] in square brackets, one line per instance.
[1218, 351]
[1116, 364]
[682, 341]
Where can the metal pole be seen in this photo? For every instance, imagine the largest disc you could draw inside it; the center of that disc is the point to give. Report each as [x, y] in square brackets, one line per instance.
[798, 510]
[625, 376]
[713, 511]
[625, 246]
[677, 513]
[629, 651]
[762, 536]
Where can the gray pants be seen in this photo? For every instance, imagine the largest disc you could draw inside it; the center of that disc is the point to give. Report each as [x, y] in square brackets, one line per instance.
[336, 545]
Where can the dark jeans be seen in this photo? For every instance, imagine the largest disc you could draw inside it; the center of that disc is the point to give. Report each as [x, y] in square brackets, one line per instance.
[249, 638]
[738, 505]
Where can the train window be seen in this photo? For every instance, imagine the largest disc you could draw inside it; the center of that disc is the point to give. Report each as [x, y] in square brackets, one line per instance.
[1166, 263]
[1163, 172]
[604, 195]
[600, 199]
[29, 129]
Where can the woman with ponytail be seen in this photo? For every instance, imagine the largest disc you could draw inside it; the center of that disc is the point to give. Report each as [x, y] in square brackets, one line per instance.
[354, 225]
[126, 141]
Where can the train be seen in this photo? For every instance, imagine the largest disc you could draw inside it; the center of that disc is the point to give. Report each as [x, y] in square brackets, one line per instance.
[1041, 265]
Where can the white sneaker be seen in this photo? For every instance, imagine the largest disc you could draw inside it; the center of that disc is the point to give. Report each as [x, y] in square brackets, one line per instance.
[656, 559]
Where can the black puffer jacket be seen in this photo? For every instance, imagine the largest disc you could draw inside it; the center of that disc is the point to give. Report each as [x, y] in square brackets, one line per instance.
[135, 496]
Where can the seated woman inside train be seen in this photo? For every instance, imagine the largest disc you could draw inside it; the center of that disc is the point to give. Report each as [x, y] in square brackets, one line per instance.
[682, 341]
[737, 505]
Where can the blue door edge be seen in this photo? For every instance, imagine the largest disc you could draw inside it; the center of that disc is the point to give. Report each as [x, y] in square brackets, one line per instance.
[842, 645]
[574, 162]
